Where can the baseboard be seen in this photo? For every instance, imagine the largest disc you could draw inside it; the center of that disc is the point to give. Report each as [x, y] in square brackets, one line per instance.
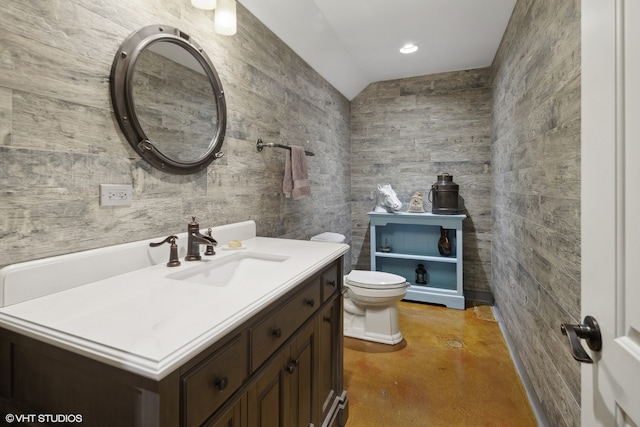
[526, 381]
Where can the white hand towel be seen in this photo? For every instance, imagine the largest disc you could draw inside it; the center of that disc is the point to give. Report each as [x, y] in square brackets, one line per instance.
[296, 177]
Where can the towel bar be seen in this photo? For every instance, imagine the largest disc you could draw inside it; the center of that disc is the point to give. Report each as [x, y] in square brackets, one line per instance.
[260, 145]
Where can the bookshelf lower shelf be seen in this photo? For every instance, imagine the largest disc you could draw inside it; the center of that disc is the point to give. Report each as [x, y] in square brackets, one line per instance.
[450, 298]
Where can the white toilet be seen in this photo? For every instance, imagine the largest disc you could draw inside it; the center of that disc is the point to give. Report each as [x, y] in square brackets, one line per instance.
[370, 301]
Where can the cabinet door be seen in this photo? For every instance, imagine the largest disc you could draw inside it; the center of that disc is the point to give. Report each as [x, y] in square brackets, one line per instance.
[285, 393]
[235, 416]
[303, 378]
[266, 398]
[328, 321]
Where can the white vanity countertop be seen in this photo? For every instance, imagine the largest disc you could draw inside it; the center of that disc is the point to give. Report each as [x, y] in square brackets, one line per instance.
[149, 324]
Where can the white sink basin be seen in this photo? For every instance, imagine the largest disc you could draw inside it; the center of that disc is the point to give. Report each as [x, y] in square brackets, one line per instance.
[232, 270]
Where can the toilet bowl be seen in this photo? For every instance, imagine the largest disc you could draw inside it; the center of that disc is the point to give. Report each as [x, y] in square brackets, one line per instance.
[370, 301]
[371, 305]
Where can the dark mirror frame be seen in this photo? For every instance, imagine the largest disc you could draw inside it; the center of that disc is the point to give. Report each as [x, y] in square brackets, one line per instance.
[121, 79]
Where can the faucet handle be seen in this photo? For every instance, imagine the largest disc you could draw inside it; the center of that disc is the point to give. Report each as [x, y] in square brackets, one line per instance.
[173, 251]
[210, 250]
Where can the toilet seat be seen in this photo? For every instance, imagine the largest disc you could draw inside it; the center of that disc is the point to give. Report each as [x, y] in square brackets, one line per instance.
[377, 280]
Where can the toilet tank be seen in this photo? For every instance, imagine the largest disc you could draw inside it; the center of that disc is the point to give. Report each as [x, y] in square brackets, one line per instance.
[328, 237]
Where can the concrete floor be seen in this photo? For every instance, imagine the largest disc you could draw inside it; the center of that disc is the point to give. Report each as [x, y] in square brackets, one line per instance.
[452, 369]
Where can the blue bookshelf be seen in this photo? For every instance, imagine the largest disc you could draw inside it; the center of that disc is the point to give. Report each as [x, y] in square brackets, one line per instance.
[400, 241]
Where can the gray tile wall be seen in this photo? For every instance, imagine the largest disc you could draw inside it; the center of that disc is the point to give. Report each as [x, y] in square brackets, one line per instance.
[536, 195]
[405, 132]
[59, 139]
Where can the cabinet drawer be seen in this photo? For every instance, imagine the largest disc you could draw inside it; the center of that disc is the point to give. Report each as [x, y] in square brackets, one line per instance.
[210, 383]
[330, 282]
[274, 329]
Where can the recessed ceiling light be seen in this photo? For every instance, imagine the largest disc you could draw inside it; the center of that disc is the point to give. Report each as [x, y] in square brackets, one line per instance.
[408, 48]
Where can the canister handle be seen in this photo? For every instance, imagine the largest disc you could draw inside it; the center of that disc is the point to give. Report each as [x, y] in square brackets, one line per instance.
[433, 188]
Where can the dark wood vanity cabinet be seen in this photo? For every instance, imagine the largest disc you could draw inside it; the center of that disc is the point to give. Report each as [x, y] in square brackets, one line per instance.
[282, 367]
[300, 384]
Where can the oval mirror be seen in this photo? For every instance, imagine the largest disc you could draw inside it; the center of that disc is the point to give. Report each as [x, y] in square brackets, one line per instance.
[168, 100]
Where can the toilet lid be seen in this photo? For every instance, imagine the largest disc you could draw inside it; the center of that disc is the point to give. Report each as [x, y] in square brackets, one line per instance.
[375, 279]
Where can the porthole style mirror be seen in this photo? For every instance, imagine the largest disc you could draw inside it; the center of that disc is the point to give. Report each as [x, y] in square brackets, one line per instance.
[168, 100]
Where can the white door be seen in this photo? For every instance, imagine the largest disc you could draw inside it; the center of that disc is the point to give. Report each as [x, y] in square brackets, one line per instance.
[611, 209]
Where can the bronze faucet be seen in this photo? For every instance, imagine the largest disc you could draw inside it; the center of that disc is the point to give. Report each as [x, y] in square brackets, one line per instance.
[195, 240]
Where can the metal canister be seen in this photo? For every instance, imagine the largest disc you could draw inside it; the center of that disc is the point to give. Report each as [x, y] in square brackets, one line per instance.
[444, 196]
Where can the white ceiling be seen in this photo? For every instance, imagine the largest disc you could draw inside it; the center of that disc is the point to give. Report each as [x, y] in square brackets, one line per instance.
[352, 43]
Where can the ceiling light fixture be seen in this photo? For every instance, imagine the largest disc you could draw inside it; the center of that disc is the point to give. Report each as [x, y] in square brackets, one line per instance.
[408, 48]
[204, 4]
[226, 17]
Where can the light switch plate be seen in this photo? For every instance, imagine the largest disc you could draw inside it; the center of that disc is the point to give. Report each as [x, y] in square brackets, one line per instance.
[116, 194]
